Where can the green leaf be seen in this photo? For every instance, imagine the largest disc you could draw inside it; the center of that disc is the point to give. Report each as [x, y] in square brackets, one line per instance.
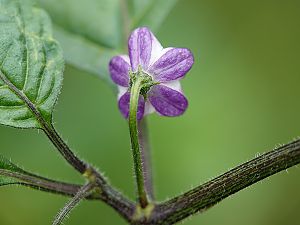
[92, 31]
[7, 165]
[31, 65]
[97, 20]
[84, 54]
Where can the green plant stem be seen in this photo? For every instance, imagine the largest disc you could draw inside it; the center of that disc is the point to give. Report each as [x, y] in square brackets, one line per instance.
[64, 149]
[133, 129]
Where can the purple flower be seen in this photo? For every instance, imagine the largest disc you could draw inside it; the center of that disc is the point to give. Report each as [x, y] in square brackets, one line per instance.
[164, 67]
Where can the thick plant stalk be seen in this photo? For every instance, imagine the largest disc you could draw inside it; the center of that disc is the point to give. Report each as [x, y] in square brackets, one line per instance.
[207, 195]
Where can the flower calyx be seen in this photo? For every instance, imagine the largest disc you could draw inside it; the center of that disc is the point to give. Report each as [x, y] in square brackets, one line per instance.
[144, 79]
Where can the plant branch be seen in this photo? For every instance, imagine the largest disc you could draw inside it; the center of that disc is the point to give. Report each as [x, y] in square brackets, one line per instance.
[42, 183]
[85, 169]
[212, 192]
[64, 149]
[107, 194]
[146, 156]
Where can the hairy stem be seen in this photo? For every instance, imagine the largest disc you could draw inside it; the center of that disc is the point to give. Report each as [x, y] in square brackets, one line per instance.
[47, 127]
[106, 193]
[212, 192]
[133, 129]
[85, 169]
[64, 149]
[42, 183]
[146, 156]
[64, 212]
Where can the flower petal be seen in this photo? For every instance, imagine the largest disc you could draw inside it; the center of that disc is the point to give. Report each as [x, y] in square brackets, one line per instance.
[173, 64]
[124, 101]
[139, 48]
[119, 69]
[148, 108]
[167, 101]
[157, 50]
[174, 84]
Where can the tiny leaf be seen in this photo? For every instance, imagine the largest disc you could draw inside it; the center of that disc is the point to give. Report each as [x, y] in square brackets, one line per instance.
[31, 65]
[7, 165]
[12, 174]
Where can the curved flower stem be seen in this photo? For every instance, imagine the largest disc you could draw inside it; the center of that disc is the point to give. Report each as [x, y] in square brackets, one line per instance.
[133, 129]
[146, 156]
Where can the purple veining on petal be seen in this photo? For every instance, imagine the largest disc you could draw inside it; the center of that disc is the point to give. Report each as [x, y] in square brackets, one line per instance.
[119, 69]
[172, 65]
[139, 48]
[167, 101]
[124, 106]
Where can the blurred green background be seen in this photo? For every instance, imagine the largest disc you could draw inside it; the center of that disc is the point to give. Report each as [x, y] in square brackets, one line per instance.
[244, 100]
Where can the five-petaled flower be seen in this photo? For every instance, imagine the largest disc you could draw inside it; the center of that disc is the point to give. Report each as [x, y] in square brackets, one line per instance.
[164, 66]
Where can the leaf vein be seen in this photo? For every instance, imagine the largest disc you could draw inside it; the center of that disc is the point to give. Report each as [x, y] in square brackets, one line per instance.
[12, 106]
[24, 98]
[44, 99]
